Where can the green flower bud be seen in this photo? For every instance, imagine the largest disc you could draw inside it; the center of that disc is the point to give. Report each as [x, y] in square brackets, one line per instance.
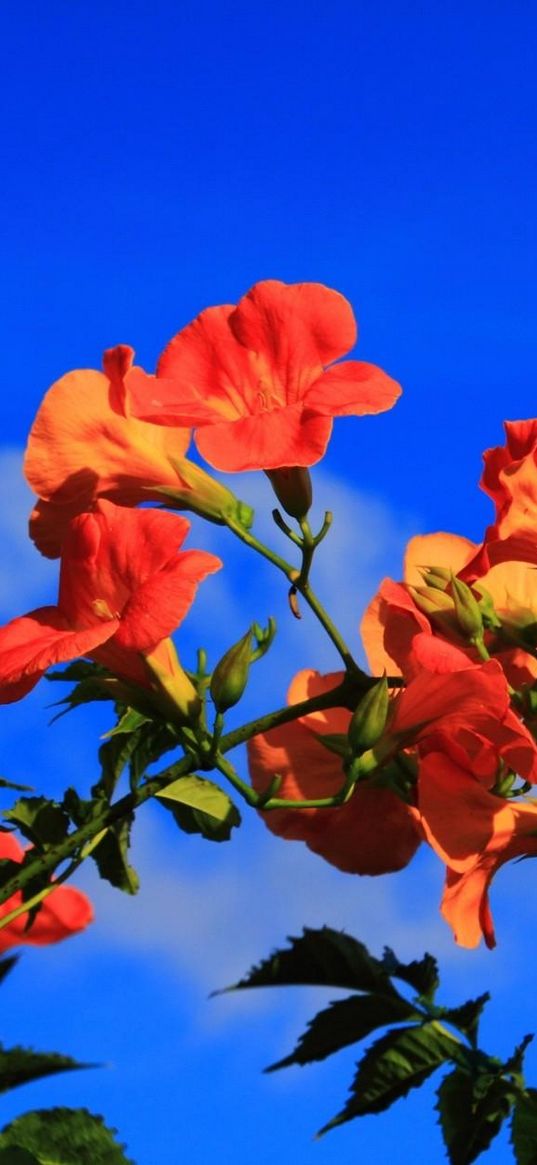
[202, 494]
[230, 675]
[469, 616]
[369, 718]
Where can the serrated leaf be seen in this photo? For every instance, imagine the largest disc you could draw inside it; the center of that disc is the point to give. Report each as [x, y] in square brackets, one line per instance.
[21, 1065]
[199, 806]
[524, 1128]
[111, 857]
[42, 821]
[466, 1017]
[421, 974]
[472, 1110]
[346, 1022]
[64, 1136]
[325, 957]
[398, 1061]
[137, 741]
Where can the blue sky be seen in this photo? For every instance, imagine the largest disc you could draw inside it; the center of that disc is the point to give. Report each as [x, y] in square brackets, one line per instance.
[156, 159]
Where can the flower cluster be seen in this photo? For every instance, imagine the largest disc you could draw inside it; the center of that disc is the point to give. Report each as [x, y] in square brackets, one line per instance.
[438, 746]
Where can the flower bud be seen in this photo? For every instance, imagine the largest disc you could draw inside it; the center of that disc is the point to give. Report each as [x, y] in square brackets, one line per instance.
[369, 718]
[202, 494]
[438, 577]
[469, 616]
[172, 690]
[292, 486]
[230, 675]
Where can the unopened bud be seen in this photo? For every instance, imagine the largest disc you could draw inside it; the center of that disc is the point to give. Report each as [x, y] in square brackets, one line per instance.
[369, 718]
[486, 606]
[437, 577]
[202, 494]
[469, 616]
[230, 675]
[431, 601]
[292, 486]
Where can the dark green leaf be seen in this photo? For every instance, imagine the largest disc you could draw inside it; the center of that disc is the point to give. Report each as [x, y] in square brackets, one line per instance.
[398, 1061]
[199, 806]
[422, 974]
[42, 821]
[6, 965]
[137, 741]
[15, 1156]
[466, 1017]
[64, 1136]
[325, 957]
[111, 857]
[20, 1065]
[345, 1022]
[524, 1128]
[472, 1110]
[5, 784]
[92, 682]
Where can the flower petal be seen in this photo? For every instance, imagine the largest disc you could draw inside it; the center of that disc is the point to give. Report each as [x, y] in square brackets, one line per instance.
[270, 440]
[352, 389]
[65, 912]
[207, 375]
[31, 644]
[296, 326]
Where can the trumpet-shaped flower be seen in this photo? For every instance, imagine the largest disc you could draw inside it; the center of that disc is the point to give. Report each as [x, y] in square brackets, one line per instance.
[85, 444]
[64, 912]
[474, 832]
[400, 637]
[123, 589]
[258, 382]
[373, 833]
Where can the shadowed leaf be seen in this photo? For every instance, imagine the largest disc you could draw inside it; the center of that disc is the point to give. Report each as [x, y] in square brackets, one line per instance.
[327, 958]
[524, 1128]
[346, 1022]
[63, 1136]
[397, 1062]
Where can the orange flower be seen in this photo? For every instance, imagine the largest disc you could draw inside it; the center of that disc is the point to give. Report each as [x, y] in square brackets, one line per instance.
[63, 913]
[401, 638]
[374, 833]
[123, 590]
[474, 832]
[84, 444]
[252, 378]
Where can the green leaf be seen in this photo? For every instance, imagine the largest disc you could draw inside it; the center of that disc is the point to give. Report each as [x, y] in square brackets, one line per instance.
[88, 679]
[17, 1157]
[466, 1017]
[6, 965]
[199, 806]
[422, 974]
[137, 741]
[20, 1065]
[398, 1061]
[524, 1128]
[472, 1110]
[42, 821]
[111, 857]
[325, 957]
[5, 784]
[345, 1022]
[63, 1136]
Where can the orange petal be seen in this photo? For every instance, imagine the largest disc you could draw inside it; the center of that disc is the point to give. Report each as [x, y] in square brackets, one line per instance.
[269, 440]
[352, 389]
[447, 550]
[297, 327]
[81, 445]
[31, 644]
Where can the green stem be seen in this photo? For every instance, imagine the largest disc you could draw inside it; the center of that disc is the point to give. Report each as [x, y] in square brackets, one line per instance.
[46, 862]
[299, 580]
